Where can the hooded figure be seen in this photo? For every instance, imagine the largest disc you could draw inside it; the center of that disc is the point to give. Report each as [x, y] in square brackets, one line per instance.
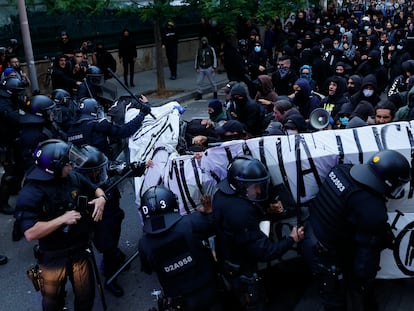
[347, 47]
[336, 98]
[247, 110]
[353, 85]
[215, 111]
[303, 99]
[368, 92]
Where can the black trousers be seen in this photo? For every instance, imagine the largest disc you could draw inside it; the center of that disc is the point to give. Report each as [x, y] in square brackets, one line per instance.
[128, 65]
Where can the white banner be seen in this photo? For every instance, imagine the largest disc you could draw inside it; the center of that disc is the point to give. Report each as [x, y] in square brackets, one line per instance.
[300, 161]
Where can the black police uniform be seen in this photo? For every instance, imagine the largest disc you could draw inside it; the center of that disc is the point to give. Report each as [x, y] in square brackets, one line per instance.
[108, 231]
[345, 234]
[184, 265]
[240, 245]
[12, 160]
[96, 132]
[62, 253]
[32, 133]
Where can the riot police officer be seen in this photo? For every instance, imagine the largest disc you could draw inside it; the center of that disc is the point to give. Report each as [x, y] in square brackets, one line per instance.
[347, 228]
[66, 109]
[37, 125]
[12, 97]
[107, 232]
[49, 209]
[93, 129]
[239, 243]
[172, 246]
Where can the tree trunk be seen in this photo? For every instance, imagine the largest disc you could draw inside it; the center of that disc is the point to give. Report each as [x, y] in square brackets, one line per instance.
[159, 58]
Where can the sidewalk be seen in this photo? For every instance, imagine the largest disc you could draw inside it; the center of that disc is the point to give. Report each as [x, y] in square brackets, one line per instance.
[186, 82]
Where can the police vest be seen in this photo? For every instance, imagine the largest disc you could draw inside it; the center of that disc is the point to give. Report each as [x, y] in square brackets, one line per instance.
[84, 133]
[329, 210]
[182, 263]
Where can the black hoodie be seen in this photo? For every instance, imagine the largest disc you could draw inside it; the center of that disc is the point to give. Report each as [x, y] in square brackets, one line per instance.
[374, 99]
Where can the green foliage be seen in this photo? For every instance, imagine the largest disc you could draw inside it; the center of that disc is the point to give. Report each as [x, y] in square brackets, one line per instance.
[86, 7]
[269, 9]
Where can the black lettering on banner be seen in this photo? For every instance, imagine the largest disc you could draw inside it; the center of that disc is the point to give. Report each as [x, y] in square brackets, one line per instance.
[340, 149]
[228, 154]
[358, 144]
[185, 186]
[281, 164]
[197, 175]
[406, 234]
[180, 187]
[246, 149]
[154, 139]
[411, 140]
[160, 180]
[262, 152]
[384, 132]
[377, 138]
[300, 140]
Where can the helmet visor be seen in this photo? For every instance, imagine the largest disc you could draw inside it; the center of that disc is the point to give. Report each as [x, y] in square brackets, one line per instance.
[96, 79]
[97, 175]
[398, 191]
[77, 157]
[258, 191]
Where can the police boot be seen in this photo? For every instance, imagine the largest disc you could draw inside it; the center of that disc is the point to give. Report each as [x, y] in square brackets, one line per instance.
[3, 260]
[5, 208]
[17, 234]
[198, 96]
[114, 288]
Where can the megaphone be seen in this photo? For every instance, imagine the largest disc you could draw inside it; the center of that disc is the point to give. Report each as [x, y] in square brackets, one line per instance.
[319, 118]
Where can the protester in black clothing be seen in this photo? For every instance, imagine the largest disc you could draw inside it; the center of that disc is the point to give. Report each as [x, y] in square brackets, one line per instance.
[256, 61]
[234, 62]
[284, 77]
[321, 69]
[127, 55]
[170, 43]
[368, 91]
[247, 110]
[335, 99]
[62, 77]
[373, 66]
[102, 59]
[66, 45]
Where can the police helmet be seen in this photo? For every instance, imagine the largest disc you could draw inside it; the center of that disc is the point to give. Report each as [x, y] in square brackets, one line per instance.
[159, 209]
[95, 76]
[90, 109]
[40, 109]
[246, 177]
[60, 97]
[51, 156]
[12, 86]
[95, 166]
[386, 172]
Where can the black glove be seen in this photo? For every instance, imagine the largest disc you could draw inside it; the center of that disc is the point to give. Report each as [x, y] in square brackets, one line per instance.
[137, 168]
[145, 109]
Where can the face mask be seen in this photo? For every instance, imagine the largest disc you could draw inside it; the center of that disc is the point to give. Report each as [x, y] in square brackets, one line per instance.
[368, 93]
[399, 47]
[336, 46]
[291, 132]
[344, 120]
[366, 28]
[283, 71]
[257, 49]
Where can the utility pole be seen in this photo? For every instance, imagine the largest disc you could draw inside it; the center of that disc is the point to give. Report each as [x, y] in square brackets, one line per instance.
[27, 44]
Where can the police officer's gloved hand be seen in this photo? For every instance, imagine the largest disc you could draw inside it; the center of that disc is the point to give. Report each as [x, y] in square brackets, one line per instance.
[145, 109]
[137, 168]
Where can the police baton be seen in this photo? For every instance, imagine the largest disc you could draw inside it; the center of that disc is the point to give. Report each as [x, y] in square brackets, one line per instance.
[126, 263]
[89, 250]
[113, 74]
